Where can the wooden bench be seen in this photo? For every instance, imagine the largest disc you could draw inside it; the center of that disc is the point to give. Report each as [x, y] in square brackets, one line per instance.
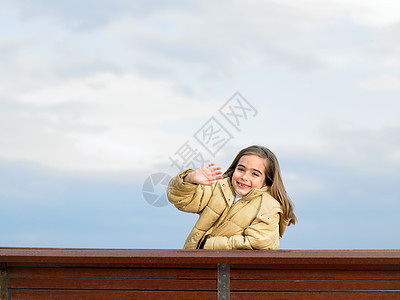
[44, 273]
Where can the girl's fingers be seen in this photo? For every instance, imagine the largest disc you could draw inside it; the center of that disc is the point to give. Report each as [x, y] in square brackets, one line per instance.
[213, 179]
[214, 169]
[210, 165]
[215, 174]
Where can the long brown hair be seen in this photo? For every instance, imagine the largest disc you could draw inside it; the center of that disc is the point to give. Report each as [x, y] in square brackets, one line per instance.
[273, 178]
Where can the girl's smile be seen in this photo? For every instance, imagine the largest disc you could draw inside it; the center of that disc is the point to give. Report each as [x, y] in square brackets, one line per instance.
[242, 186]
[249, 174]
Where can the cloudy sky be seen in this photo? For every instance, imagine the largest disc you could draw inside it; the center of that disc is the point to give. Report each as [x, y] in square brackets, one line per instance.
[97, 98]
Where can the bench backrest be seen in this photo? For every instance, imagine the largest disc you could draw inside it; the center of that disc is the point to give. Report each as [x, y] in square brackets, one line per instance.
[43, 273]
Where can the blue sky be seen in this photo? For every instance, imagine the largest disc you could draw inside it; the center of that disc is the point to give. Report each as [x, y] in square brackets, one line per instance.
[97, 96]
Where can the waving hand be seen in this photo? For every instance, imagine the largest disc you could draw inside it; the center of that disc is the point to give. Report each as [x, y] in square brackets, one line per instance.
[205, 175]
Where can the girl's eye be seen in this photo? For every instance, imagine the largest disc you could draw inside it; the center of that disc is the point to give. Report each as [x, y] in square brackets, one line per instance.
[240, 169]
[255, 174]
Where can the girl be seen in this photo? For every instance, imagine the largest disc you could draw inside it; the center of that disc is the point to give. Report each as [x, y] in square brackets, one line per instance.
[246, 208]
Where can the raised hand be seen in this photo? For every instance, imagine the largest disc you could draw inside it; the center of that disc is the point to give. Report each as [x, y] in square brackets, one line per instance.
[205, 175]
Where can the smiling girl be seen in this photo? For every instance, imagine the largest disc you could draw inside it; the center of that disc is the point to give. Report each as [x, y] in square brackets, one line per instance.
[245, 208]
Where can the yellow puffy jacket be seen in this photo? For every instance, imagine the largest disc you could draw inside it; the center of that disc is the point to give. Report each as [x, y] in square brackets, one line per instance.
[254, 222]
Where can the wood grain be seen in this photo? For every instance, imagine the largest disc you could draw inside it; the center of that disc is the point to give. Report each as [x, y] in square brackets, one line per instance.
[51, 273]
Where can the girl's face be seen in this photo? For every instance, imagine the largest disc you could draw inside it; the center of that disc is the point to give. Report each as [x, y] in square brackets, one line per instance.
[249, 174]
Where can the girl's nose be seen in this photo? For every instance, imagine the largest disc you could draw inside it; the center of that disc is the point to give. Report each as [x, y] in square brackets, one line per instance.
[245, 176]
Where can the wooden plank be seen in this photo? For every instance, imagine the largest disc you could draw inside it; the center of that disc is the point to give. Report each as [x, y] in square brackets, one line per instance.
[80, 264]
[314, 285]
[106, 295]
[299, 274]
[103, 284]
[113, 273]
[162, 295]
[315, 295]
[273, 259]
[314, 274]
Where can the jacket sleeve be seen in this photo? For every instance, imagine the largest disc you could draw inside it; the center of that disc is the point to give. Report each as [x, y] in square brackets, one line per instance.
[263, 234]
[188, 197]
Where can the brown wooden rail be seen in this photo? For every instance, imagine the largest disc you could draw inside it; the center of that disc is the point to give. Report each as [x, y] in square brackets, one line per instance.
[44, 273]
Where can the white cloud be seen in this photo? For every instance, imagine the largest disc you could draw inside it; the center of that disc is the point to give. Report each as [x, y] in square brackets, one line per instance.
[363, 149]
[304, 36]
[103, 95]
[381, 83]
[373, 13]
[368, 13]
[104, 121]
[207, 41]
